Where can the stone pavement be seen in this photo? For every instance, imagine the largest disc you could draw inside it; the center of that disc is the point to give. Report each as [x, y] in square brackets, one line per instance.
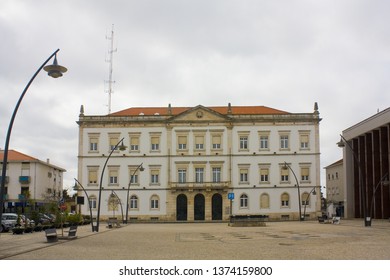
[294, 240]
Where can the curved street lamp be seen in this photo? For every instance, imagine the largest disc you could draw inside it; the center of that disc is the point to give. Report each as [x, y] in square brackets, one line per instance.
[384, 181]
[86, 194]
[141, 168]
[341, 144]
[122, 147]
[286, 166]
[54, 71]
[313, 191]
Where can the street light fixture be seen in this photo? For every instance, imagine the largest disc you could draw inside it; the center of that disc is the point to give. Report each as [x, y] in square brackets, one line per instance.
[287, 166]
[341, 144]
[121, 147]
[86, 194]
[141, 168]
[54, 71]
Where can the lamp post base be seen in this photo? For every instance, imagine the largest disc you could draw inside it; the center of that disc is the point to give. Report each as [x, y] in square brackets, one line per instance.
[367, 221]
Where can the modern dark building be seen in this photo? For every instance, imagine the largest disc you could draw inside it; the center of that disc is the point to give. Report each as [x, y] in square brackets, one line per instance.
[366, 167]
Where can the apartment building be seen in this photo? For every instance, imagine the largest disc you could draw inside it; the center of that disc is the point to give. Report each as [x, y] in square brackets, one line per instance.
[335, 194]
[200, 163]
[30, 180]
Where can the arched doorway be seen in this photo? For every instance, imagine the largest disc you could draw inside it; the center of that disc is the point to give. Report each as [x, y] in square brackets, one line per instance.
[199, 207]
[181, 207]
[216, 207]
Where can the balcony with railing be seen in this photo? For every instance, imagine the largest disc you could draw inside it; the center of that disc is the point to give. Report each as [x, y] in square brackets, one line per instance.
[206, 186]
[24, 179]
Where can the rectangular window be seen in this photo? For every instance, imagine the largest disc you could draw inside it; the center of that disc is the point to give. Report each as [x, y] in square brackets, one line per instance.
[154, 177]
[25, 191]
[113, 177]
[199, 142]
[134, 178]
[216, 142]
[154, 203]
[92, 177]
[113, 142]
[134, 143]
[199, 173]
[93, 144]
[216, 174]
[284, 175]
[92, 202]
[304, 139]
[264, 142]
[243, 175]
[155, 143]
[133, 202]
[182, 142]
[285, 200]
[264, 175]
[243, 142]
[305, 171]
[284, 142]
[182, 175]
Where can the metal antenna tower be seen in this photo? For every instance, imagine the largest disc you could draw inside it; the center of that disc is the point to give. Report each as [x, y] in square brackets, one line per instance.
[110, 61]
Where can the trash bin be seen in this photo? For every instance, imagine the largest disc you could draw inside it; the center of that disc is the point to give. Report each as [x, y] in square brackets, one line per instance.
[367, 222]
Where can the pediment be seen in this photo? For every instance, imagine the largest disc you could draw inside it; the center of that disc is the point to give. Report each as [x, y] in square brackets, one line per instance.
[199, 114]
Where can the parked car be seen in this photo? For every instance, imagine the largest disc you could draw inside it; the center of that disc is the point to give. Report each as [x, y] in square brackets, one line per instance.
[8, 221]
[26, 221]
[45, 219]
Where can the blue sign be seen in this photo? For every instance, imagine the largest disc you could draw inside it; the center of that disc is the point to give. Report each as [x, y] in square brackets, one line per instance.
[231, 196]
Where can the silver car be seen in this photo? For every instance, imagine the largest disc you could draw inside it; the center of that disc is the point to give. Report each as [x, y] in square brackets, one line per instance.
[8, 221]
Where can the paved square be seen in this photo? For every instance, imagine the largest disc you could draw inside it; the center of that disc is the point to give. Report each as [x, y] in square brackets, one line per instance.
[307, 240]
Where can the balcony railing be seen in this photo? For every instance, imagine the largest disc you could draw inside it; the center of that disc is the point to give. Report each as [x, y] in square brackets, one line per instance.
[208, 186]
[24, 179]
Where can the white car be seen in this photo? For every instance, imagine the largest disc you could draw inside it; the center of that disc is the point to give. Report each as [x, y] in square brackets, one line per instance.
[8, 221]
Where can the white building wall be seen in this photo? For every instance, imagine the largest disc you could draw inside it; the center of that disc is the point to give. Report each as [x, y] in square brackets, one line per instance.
[230, 158]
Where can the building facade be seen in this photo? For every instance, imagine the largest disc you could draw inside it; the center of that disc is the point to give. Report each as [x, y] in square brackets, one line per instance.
[200, 163]
[335, 194]
[366, 167]
[30, 180]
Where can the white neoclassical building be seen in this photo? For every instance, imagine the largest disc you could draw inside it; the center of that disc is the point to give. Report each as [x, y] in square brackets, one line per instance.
[200, 163]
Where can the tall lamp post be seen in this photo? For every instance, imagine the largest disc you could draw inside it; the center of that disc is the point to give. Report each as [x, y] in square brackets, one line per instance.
[86, 194]
[341, 144]
[286, 166]
[141, 168]
[313, 191]
[122, 148]
[54, 71]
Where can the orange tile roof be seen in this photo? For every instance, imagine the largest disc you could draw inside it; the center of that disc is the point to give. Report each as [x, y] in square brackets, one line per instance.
[16, 156]
[236, 110]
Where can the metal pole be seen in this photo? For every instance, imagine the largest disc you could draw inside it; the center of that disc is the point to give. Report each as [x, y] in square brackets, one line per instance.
[128, 190]
[373, 194]
[5, 154]
[299, 192]
[89, 202]
[367, 222]
[306, 201]
[100, 185]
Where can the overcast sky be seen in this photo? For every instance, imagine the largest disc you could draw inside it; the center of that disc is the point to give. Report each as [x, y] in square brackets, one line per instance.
[283, 54]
